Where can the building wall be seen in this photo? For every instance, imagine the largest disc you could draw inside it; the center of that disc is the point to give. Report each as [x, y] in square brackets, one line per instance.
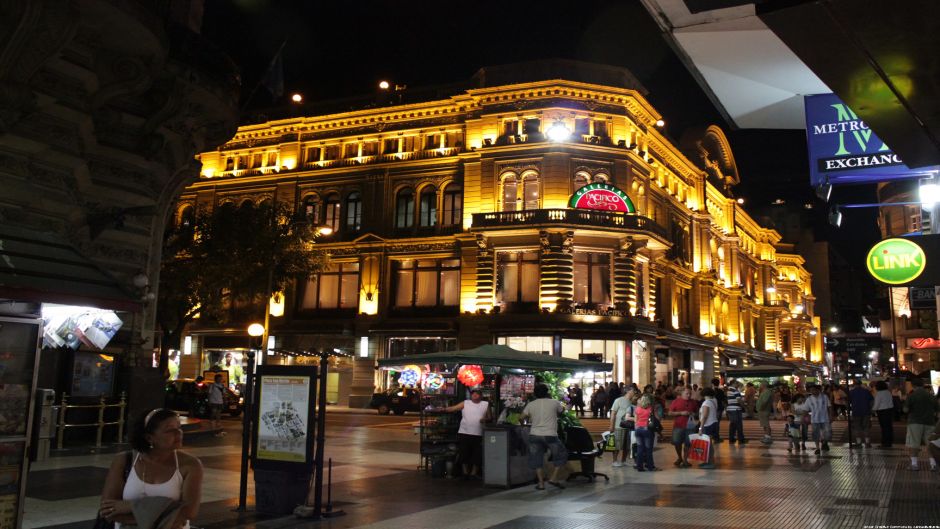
[690, 271]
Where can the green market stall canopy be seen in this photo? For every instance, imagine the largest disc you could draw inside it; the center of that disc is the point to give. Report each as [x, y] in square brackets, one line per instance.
[760, 371]
[498, 356]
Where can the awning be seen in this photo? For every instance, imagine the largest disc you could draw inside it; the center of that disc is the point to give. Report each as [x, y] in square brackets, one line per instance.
[498, 356]
[39, 267]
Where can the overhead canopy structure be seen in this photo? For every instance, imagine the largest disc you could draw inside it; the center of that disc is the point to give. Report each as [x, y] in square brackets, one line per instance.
[498, 356]
[760, 371]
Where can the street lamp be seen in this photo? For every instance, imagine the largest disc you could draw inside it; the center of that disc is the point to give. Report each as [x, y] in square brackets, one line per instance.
[558, 132]
[255, 331]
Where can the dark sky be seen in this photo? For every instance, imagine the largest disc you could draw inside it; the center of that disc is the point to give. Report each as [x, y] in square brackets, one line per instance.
[342, 49]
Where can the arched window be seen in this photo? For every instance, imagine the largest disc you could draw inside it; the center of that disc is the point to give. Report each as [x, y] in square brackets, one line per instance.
[187, 217]
[581, 179]
[452, 206]
[427, 211]
[310, 209]
[530, 188]
[405, 209]
[331, 211]
[510, 191]
[353, 211]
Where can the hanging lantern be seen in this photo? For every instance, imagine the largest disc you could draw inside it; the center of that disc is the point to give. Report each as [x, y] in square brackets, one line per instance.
[470, 375]
[276, 305]
[433, 381]
[410, 376]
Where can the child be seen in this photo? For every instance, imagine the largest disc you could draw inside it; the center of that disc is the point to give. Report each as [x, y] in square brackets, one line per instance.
[802, 418]
[792, 431]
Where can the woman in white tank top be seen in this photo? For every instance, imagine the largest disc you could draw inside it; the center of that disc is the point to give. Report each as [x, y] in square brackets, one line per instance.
[158, 468]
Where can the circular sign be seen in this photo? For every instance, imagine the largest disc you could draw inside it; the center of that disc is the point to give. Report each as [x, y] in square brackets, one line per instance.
[896, 261]
[470, 375]
[604, 197]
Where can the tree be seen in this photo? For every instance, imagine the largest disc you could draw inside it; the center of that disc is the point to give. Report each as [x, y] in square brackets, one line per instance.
[229, 256]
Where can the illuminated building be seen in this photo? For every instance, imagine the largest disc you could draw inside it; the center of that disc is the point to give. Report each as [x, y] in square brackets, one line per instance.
[451, 228]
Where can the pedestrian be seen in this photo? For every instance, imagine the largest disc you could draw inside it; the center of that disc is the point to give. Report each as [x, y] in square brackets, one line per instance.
[861, 406]
[599, 402]
[750, 399]
[683, 409]
[792, 431]
[619, 410]
[783, 400]
[474, 413]
[644, 433]
[696, 393]
[801, 412]
[921, 409]
[840, 401]
[577, 400]
[820, 412]
[216, 401]
[155, 467]
[709, 424]
[884, 409]
[543, 415]
[735, 413]
[659, 411]
[722, 400]
[613, 393]
[764, 407]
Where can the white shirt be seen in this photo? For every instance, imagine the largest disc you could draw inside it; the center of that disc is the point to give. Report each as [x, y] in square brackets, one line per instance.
[621, 408]
[883, 400]
[818, 406]
[473, 412]
[543, 415]
[712, 418]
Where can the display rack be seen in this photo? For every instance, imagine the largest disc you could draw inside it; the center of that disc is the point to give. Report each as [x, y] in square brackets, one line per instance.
[438, 432]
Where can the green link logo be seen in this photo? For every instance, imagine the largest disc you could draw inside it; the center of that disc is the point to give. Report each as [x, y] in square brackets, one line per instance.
[896, 261]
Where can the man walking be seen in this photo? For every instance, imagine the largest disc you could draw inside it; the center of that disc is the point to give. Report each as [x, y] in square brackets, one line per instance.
[543, 435]
[764, 407]
[921, 408]
[735, 414]
[750, 397]
[860, 402]
[722, 400]
[820, 409]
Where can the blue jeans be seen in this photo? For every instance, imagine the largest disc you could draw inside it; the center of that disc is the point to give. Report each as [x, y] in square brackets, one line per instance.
[644, 448]
[735, 425]
[712, 431]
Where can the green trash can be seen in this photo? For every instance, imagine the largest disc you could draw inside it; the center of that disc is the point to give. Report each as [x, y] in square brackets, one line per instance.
[278, 492]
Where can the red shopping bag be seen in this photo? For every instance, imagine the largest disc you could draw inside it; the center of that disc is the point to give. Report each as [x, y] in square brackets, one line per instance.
[701, 444]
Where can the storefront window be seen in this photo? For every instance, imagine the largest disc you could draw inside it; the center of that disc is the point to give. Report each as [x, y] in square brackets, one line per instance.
[420, 345]
[427, 282]
[592, 278]
[605, 350]
[337, 287]
[535, 344]
[517, 277]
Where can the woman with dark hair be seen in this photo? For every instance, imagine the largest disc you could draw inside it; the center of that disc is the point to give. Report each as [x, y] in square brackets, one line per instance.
[883, 407]
[154, 468]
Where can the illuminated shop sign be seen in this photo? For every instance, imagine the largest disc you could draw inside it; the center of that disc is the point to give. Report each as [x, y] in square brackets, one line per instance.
[842, 149]
[896, 261]
[603, 197]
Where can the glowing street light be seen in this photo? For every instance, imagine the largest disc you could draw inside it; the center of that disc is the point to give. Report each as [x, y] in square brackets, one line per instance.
[383, 85]
[255, 330]
[558, 132]
[297, 97]
[833, 329]
[660, 123]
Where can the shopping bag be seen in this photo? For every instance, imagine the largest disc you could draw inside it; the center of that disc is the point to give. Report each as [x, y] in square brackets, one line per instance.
[611, 443]
[701, 444]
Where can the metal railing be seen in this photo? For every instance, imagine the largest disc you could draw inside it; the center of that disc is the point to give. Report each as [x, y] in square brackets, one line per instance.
[64, 407]
[582, 217]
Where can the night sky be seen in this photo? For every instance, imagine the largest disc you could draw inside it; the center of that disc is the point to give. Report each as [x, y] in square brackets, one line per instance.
[342, 49]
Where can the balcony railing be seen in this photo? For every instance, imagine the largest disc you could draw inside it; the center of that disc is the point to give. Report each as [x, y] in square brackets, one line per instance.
[579, 217]
[780, 303]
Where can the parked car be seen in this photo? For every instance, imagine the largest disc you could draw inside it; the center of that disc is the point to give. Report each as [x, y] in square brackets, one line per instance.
[397, 400]
[187, 395]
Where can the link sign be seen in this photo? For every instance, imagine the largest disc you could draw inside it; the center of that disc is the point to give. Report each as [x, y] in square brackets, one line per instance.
[604, 197]
[896, 261]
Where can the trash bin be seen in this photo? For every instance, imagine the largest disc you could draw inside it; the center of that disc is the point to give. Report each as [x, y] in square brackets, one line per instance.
[278, 492]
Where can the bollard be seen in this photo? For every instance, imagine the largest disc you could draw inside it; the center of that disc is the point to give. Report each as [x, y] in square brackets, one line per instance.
[62, 408]
[121, 408]
[100, 422]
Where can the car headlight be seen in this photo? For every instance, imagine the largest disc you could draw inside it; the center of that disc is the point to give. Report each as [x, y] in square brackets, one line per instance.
[241, 400]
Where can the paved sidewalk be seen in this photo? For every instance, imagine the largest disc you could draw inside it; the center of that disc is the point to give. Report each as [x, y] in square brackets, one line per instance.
[377, 484]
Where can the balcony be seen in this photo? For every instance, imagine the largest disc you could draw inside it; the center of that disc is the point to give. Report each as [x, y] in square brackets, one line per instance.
[577, 217]
[777, 303]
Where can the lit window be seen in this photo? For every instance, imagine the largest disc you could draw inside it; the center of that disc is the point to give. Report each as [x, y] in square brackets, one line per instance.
[517, 277]
[331, 212]
[337, 287]
[427, 212]
[453, 206]
[427, 283]
[592, 278]
[353, 212]
[405, 209]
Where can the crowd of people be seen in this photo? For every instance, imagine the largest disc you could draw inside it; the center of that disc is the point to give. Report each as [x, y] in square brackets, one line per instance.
[807, 410]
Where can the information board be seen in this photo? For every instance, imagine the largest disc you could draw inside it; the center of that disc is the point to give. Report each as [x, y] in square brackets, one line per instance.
[283, 431]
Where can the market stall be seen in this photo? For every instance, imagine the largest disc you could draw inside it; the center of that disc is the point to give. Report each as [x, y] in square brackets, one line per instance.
[507, 378]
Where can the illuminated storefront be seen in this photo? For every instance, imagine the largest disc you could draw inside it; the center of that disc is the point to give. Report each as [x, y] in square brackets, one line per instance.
[549, 216]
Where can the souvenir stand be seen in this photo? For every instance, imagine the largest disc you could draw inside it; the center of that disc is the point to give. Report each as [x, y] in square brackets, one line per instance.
[506, 377]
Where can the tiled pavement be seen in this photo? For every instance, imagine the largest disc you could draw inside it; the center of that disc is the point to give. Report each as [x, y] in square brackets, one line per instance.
[376, 483]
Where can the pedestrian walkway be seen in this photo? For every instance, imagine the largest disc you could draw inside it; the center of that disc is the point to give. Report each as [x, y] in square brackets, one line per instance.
[376, 481]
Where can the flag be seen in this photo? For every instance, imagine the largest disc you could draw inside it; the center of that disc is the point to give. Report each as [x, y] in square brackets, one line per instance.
[274, 78]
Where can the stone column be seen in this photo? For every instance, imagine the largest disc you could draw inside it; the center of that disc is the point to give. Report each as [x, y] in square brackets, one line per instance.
[625, 277]
[486, 275]
[556, 270]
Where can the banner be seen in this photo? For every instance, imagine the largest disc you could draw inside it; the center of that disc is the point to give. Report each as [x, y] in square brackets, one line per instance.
[843, 150]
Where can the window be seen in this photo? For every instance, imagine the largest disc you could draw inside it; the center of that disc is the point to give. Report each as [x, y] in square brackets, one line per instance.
[432, 141]
[592, 278]
[256, 160]
[230, 163]
[370, 148]
[337, 287]
[311, 155]
[582, 126]
[427, 212]
[420, 345]
[510, 127]
[311, 209]
[532, 126]
[187, 217]
[530, 198]
[353, 212]
[427, 283]
[272, 159]
[390, 146]
[408, 143]
[405, 209]
[600, 128]
[350, 150]
[331, 152]
[331, 212]
[242, 162]
[517, 277]
[510, 186]
[453, 206]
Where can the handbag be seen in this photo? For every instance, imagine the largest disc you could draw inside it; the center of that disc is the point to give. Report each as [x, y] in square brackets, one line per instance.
[627, 424]
[655, 424]
[100, 521]
[700, 447]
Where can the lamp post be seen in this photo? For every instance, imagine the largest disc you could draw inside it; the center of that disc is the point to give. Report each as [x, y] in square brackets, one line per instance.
[255, 330]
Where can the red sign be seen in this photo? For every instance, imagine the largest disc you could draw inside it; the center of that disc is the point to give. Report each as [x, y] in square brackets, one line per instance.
[924, 343]
[604, 197]
[470, 375]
